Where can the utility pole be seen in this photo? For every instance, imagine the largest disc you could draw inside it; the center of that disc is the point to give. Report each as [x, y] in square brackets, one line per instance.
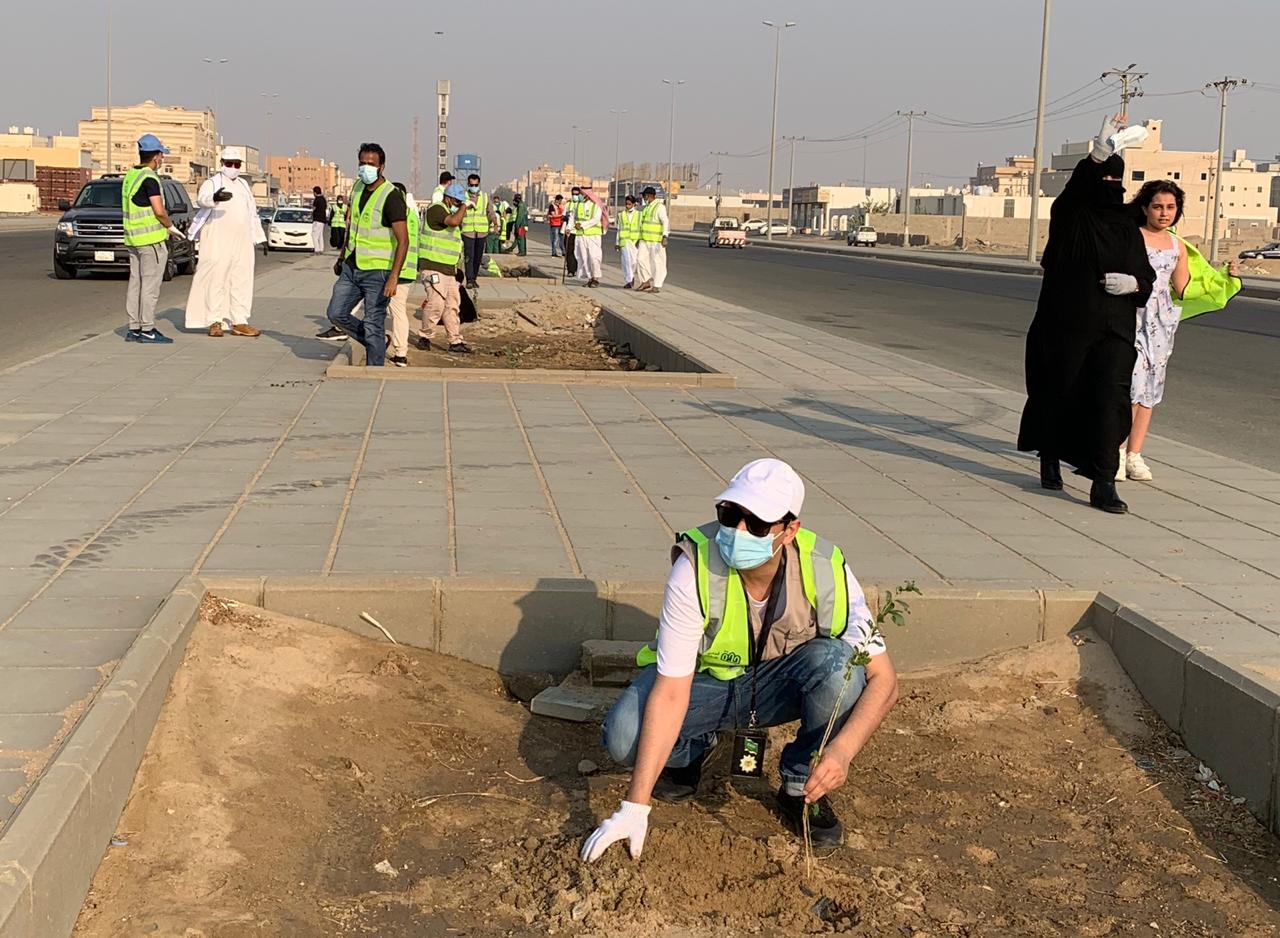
[906, 195]
[1128, 78]
[671, 137]
[717, 154]
[791, 186]
[864, 161]
[415, 162]
[773, 126]
[1038, 152]
[110, 166]
[1224, 87]
[617, 154]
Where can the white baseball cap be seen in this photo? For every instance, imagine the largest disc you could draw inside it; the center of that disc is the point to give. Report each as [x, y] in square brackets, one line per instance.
[768, 488]
[232, 153]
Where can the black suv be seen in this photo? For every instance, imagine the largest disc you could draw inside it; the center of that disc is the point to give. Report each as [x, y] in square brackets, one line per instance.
[90, 233]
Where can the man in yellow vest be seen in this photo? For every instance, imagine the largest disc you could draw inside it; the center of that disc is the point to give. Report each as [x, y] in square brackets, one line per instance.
[654, 229]
[373, 256]
[398, 307]
[628, 242]
[758, 623]
[479, 222]
[147, 229]
[439, 253]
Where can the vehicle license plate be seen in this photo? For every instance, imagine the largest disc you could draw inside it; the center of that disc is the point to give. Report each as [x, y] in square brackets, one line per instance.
[104, 255]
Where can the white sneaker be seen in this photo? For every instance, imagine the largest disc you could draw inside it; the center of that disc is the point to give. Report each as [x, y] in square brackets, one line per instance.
[1136, 468]
[1120, 472]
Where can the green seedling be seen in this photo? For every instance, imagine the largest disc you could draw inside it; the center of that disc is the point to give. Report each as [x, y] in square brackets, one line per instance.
[895, 609]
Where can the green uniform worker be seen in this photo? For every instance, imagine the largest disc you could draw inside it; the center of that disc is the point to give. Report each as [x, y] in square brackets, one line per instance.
[760, 622]
[522, 226]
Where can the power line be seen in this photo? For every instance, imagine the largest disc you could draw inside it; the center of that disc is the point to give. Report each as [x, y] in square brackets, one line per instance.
[1128, 77]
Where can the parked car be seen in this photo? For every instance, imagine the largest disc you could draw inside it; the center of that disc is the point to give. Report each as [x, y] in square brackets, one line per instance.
[290, 229]
[1269, 252]
[862, 236]
[90, 233]
[754, 226]
[726, 232]
[781, 228]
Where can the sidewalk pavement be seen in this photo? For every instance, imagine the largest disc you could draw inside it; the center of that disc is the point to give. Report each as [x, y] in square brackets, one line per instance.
[125, 468]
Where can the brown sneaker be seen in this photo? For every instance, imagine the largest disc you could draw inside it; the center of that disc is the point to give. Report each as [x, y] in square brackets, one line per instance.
[243, 328]
[216, 330]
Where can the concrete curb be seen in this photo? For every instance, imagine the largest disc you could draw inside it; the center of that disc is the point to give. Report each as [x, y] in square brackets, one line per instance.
[52, 847]
[1254, 287]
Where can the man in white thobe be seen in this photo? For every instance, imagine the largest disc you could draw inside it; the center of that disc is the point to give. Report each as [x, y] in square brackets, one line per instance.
[227, 230]
[588, 229]
[655, 228]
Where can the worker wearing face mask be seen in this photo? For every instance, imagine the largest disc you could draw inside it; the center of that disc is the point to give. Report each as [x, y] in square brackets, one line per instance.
[476, 226]
[758, 623]
[654, 230]
[589, 224]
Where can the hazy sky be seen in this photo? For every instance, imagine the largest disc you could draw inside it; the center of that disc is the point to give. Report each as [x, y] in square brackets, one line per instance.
[347, 72]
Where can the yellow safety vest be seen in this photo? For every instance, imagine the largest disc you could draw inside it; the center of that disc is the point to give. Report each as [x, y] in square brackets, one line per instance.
[585, 209]
[650, 227]
[726, 640]
[409, 272]
[373, 242]
[629, 226]
[477, 217]
[443, 246]
[141, 227]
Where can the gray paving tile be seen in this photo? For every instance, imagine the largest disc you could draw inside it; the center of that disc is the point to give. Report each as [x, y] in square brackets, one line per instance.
[77, 648]
[45, 690]
[29, 731]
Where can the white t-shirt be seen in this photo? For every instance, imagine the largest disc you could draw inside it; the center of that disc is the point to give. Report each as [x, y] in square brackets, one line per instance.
[680, 626]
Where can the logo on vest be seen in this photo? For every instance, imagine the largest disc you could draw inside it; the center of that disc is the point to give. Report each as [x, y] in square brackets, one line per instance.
[730, 657]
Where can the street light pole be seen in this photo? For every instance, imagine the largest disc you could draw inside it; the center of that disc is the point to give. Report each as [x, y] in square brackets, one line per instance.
[773, 125]
[791, 187]
[110, 167]
[617, 153]
[269, 95]
[671, 138]
[1033, 238]
[215, 87]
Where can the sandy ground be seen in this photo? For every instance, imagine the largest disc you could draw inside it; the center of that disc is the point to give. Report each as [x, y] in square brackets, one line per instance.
[557, 330]
[304, 781]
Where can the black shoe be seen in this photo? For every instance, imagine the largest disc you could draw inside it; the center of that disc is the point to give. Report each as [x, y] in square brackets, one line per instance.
[333, 333]
[1050, 474]
[148, 337]
[676, 786]
[422, 343]
[399, 361]
[460, 348]
[472, 285]
[1103, 495]
[825, 829]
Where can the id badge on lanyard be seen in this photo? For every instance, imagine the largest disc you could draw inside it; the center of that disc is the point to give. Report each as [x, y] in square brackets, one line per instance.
[750, 745]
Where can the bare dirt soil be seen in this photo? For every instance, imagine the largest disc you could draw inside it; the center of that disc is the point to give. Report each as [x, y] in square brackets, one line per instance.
[304, 781]
[557, 330]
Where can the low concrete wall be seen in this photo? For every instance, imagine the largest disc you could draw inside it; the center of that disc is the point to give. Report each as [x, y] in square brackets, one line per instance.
[648, 348]
[955, 229]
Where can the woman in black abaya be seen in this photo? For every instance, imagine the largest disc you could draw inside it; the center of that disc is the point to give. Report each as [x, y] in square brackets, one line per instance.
[1080, 350]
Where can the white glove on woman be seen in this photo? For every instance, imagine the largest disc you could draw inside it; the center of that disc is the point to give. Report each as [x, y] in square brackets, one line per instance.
[1102, 145]
[1120, 284]
[629, 823]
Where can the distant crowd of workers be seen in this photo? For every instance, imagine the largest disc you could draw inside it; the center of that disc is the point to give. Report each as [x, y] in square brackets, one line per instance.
[386, 244]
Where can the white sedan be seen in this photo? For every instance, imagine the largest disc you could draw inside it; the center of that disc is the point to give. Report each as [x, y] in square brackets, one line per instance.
[290, 229]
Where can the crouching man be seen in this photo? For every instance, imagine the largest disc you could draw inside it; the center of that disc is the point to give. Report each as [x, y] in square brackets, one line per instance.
[759, 619]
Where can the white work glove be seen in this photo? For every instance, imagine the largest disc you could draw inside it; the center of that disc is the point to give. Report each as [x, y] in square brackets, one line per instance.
[176, 232]
[1103, 148]
[629, 823]
[1120, 284]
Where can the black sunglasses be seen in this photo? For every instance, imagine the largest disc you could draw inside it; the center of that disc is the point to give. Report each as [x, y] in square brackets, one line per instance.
[730, 515]
[235, 163]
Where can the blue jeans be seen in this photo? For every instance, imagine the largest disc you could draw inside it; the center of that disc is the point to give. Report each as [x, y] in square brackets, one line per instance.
[557, 242]
[802, 685]
[353, 286]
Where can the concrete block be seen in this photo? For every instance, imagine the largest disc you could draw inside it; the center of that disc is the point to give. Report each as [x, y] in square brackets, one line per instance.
[534, 624]
[408, 607]
[51, 839]
[634, 610]
[1229, 721]
[1066, 611]
[949, 625]
[1155, 659]
[1103, 615]
[15, 903]
[576, 702]
[242, 589]
[610, 663]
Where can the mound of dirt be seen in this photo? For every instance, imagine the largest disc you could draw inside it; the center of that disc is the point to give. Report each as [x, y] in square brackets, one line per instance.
[557, 311]
[305, 781]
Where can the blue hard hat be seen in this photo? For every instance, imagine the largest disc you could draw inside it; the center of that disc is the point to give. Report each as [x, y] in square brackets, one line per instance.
[150, 143]
[455, 191]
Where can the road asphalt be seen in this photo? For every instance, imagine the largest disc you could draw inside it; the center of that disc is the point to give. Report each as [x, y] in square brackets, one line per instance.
[39, 314]
[1223, 390]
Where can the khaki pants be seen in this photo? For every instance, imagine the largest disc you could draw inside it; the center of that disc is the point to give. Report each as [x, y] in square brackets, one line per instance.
[146, 273]
[443, 302]
[398, 308]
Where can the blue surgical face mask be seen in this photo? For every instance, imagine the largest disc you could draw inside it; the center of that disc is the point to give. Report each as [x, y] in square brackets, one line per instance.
[473, 188]
[577, 198]
[742, 550]
[368, 174]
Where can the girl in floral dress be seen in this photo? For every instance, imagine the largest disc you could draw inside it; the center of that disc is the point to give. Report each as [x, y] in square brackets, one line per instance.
[1160, 204]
